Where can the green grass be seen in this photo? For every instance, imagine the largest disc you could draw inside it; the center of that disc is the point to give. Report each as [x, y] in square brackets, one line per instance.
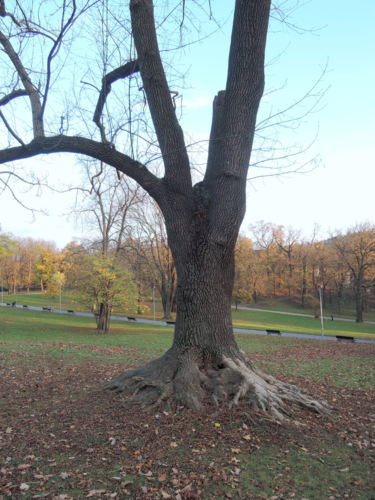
[241, 319]
[296, 324]
[358, 373]
[313, 472]
[69, 300]
[292, 305]
[38, 333]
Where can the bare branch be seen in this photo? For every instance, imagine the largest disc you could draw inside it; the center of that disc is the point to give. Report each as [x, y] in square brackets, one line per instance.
[53, 52]
[167, 128]
[10, 130]
[124, 71]
[32, 92]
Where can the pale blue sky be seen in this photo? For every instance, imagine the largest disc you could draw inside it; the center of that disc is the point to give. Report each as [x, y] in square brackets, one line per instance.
[337, 194]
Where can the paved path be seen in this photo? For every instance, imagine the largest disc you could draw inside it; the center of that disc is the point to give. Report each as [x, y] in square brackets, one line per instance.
[163, 323]
[245, 308]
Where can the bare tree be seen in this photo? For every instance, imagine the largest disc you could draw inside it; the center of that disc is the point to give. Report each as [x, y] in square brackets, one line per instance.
[357, 250]
[108, 207]
[152, 258]
[202, 220]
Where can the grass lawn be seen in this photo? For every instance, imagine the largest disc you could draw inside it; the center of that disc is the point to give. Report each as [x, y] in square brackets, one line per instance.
[285, 304]
[62, 438]
[242, 318]
[297, 324]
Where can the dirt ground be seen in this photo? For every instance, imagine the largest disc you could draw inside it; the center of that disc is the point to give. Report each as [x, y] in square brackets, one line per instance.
[62, 438]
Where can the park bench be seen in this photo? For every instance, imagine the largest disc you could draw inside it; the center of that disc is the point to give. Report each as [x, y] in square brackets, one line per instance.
[273, 332]
[14, 304]
[131, 318]
[70, 311]
[49, 309]
[170, 322]
[8, 304]
[344, 338]
[25, 305]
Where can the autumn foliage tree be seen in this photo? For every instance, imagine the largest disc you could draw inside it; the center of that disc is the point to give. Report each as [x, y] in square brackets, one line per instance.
[356, 248]
[202, 220]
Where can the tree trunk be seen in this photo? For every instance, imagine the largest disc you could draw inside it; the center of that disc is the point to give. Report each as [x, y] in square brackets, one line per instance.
[204, 363]
[358, 289]
[102, 318]
[167, 299]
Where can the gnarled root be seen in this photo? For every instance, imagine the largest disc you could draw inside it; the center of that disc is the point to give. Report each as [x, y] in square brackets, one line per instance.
[182, 377]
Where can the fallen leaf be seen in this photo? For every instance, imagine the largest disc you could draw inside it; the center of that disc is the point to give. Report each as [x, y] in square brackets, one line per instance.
[94, 493]
[165, 495]
[23, 466]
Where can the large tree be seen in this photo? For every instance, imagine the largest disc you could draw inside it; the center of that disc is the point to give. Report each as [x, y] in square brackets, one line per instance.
[202, 220]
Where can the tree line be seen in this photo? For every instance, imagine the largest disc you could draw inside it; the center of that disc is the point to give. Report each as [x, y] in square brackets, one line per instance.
[277, 262]
[273, 262]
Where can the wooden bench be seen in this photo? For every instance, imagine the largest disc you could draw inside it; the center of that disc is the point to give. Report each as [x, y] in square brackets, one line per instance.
[70, 311]
[130, 318]
[170, 322]
[273, 332]
[344, 338]
[49, 309]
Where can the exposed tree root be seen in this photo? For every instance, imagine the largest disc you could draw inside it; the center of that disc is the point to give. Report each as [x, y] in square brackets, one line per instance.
[178, 377]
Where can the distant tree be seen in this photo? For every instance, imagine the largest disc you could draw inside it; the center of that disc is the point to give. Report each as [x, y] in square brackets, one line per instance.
[56, 284]
[150, 255]
[46, 265]
[105, 286]
[250, 276]
[287, 240]
[8, 249]
[107, 207]
[357, 250]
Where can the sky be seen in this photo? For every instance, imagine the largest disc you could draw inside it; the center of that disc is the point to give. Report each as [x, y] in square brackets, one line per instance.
[337, 193]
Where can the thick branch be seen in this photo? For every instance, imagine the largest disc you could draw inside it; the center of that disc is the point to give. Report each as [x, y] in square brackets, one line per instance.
[36, 108]
[245, 81]
[94, 149]
[167, 128]
[233, 127]
[124, 71]
[16, 93]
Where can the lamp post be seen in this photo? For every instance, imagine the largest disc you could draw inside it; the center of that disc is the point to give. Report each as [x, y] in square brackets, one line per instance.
[153, 301]
[321, 309]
